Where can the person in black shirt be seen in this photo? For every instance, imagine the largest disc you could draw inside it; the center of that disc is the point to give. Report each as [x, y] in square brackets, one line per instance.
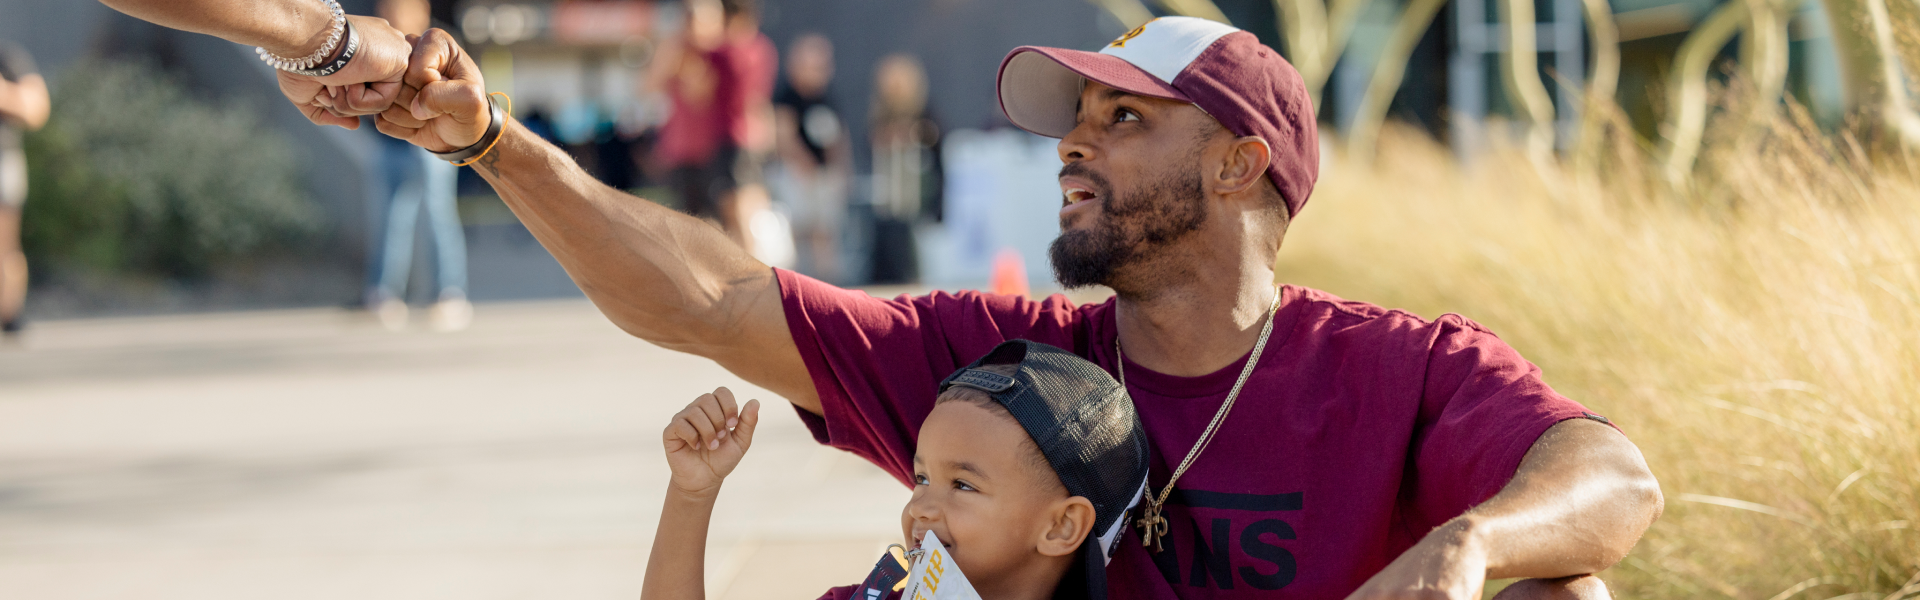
[24, 105]
[907, 178]
[815, 157]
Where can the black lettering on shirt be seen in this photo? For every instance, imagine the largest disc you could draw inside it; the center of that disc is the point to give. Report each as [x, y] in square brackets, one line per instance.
[1211, 558]
[1284, 566]
[1168, 558]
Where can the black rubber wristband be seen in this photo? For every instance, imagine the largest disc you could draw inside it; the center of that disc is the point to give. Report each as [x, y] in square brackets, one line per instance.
[347, 51]
[486, 139]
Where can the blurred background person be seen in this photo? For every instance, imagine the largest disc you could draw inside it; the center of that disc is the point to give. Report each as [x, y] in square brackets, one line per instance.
[815, 157]
[907, 183]
[24, 105]
[411, 179]
[718, 77]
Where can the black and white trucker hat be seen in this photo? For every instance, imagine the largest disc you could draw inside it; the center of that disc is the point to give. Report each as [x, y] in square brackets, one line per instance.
[1084, 423]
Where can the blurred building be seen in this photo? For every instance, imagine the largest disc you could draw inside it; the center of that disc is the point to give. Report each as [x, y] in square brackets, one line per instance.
[62, 33]
[1453, 85]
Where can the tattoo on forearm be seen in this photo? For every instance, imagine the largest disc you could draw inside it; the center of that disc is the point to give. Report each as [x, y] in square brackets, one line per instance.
[491, 161]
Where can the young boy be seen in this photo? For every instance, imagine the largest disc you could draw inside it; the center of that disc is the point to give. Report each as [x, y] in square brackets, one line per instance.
[1024, 470]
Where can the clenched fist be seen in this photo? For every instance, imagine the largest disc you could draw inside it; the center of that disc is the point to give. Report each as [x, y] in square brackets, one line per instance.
[369, 84]
[443, 106]
[707, 439]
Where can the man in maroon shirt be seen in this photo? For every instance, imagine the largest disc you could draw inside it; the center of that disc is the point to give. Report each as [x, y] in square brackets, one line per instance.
[1305, 446]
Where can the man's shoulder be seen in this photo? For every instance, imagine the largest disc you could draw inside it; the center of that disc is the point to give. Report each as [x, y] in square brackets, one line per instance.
[1327, 314]
[1341, 313]
[1055, 304]
[808, 294]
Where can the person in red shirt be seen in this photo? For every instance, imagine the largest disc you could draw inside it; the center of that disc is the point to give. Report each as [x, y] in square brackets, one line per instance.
[718, 75]
[1305, 446]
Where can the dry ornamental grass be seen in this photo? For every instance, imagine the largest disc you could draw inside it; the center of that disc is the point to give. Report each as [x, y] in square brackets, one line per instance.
[1757, 334]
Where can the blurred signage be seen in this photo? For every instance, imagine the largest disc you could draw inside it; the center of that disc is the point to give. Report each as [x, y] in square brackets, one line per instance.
[576, 22]
[601, 21]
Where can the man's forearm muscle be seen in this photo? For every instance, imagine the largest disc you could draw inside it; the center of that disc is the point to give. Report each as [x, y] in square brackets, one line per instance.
[660, 275]
[1579, 501]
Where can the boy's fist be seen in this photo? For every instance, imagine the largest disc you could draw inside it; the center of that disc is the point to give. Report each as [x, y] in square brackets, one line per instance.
[706, 440]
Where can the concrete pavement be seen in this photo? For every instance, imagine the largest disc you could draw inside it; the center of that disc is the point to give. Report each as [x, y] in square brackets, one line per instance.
[311, 454]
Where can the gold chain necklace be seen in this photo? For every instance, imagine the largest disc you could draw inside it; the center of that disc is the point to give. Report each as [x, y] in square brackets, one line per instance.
[1152, 525]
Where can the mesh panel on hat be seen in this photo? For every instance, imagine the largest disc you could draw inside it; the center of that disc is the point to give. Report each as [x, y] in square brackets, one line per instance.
[1082, 421]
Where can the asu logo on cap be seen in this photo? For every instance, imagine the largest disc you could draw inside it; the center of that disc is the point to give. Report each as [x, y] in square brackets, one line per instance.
[1121, 42]
[1165, 46]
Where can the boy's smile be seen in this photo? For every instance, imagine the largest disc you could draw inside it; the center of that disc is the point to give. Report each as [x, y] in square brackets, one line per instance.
[982, 486]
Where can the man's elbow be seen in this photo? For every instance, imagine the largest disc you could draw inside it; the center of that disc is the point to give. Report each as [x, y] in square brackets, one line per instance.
[1643, 492]
[1639, 502]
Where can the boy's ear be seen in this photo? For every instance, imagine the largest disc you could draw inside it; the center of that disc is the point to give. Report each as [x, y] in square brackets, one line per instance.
[1070, 522]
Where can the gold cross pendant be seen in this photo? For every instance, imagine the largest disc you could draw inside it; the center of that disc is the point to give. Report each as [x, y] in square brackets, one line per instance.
[1152, 525]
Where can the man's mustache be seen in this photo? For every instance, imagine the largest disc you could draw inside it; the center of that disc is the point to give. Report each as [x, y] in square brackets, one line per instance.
[1082, 171]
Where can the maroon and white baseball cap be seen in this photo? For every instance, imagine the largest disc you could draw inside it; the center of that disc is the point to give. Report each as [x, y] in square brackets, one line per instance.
[1224, 71]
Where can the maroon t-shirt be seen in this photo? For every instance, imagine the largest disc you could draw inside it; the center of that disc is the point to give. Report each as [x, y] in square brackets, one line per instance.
[1360, 430]
[745, 70]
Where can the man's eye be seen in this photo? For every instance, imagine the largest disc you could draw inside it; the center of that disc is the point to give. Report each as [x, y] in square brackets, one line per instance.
[1125, 114]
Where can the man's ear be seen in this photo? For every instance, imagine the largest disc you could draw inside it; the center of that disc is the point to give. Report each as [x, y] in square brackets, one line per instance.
[1245, 165]
[1070, 521]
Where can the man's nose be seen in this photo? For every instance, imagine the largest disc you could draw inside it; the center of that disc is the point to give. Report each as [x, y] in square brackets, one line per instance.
[1075, 146]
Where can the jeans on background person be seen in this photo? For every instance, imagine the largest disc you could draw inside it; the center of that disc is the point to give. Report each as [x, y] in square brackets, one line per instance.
[415, 179]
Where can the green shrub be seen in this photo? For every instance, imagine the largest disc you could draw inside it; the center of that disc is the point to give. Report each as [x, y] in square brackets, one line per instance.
[134, 175]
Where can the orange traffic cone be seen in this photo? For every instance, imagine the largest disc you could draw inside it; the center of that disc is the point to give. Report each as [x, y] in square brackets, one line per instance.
[1010, 274]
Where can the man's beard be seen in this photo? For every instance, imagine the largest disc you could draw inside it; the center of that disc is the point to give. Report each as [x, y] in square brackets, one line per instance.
[1135, 223]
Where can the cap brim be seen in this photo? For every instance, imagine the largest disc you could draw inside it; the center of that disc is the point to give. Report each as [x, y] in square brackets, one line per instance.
[1040, 87]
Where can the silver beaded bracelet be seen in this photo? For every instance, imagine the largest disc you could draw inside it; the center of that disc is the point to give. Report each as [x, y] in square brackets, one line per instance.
[330, 67]
[336, 33]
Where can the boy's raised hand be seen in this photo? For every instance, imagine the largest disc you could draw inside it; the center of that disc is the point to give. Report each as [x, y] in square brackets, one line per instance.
[706, 440]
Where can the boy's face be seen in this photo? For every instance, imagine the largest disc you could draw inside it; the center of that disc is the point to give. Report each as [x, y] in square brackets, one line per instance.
[997, 509]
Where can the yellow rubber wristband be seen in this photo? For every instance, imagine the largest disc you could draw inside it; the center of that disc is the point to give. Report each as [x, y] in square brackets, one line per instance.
[507, 114]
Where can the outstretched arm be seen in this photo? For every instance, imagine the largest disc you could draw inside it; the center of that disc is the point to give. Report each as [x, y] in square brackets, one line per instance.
[704, 443]
[1580, 500]
[296, 28]
[283, 27]
[660, 275]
